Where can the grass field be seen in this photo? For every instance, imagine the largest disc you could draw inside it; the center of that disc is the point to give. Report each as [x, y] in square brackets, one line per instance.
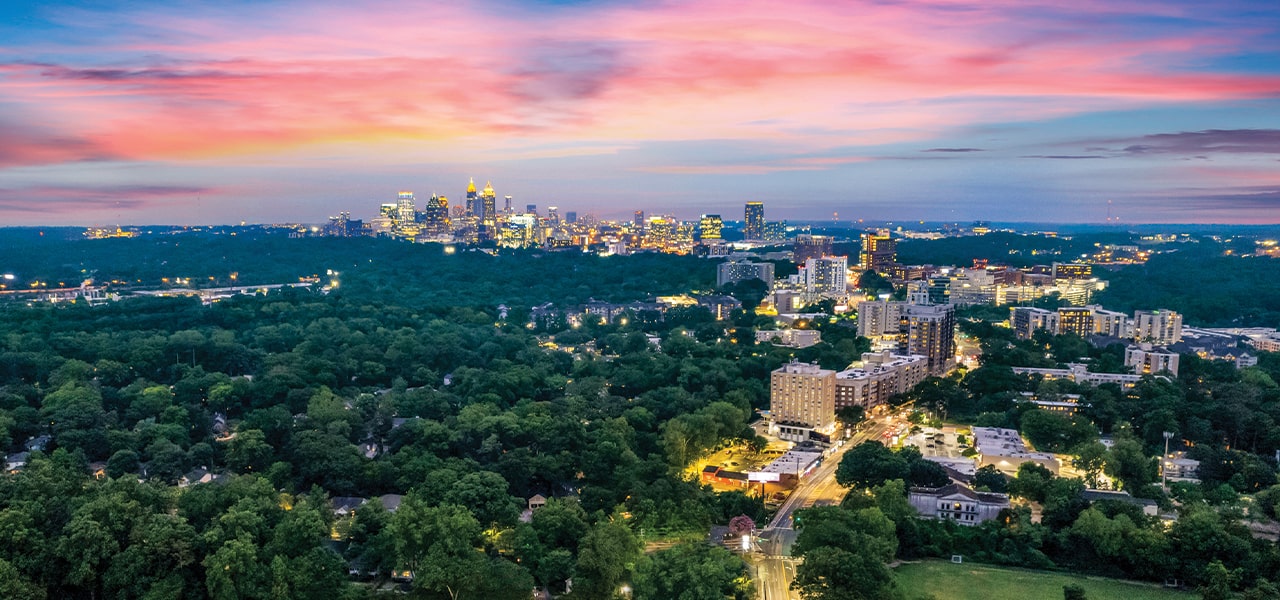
[947, 581]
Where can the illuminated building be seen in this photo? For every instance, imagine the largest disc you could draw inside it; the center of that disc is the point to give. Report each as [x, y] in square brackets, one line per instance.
[775, 231]
[1026, 321]
[753, 218]
[553, 215]
[1075, 321]
[1072, 271]
[880, 318]
[435, 215]
[731, 271]
[879, 252]
[810, 246]
[931, 332]
[879, 376]
[826, 275]
[488, 213]
[637, 220]
[1110, 323]
[472, 196]
[802, 400]
[1163, 327]
[709, 227]
[1147, 359]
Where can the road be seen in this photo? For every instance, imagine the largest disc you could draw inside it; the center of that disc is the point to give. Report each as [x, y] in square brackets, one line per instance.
[774, 567]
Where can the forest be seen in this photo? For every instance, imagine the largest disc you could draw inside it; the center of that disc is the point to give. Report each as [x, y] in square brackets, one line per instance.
[403, 382]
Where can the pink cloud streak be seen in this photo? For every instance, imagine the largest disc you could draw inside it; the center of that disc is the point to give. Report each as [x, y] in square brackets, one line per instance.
[868, 73]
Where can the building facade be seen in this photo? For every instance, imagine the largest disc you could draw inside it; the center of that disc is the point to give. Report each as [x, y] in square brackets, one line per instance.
[753, 219]
[802, 398]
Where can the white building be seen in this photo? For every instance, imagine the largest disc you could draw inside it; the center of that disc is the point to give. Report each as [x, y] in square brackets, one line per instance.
[1161, 327]
[1145, 359]
[957, 503]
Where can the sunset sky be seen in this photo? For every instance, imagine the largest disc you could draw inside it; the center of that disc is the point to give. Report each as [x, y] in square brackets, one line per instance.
[183, 112]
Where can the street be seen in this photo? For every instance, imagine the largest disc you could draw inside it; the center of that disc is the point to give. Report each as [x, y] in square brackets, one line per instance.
[774, 567]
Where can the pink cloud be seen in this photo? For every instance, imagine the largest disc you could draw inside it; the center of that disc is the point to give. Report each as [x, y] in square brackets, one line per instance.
[865, 73]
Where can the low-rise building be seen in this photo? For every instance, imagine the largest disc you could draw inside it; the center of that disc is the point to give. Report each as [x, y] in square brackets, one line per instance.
[1005, 450]
[791, 338]
[1177, 467]
[879, 376]
[1080, 373]
[1146, 359]
[957, 503]
[1066, 404]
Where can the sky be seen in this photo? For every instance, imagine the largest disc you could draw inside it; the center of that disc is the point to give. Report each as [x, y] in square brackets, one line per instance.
[185, 112]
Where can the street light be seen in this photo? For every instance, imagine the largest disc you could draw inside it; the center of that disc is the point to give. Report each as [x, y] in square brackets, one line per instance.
[1164, 478]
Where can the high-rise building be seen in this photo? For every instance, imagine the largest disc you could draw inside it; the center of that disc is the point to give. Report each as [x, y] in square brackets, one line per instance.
[826, 275]
[1071, 271]
[637, 220]
[488, 211]
[731, 271]
[1162, 327]
[531, 209]
[709, 227]
[506, 206]
[802, 399]
[1025, 321]
[1110, 323]
[931, 332]
[435, 215]
[810, 246]
[571, 217]
[880, 318]
[775, 231]
[553, 215]
[1076, 320]
[472, 196]
[753, 218]
[880, 376]
[879, 251]
[405, 212]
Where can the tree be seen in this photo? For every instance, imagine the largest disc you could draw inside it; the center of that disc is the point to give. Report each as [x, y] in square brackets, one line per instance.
[1072, 591]
[606, 555]
[851, 416]
[830, 573]
[870, 464]
[439, 545]
[1092, 459]
[1216, 582]
[692, 572]
[1055, 433]
[14, 587]
[1128, 462]
[990, 478]
[485, 493]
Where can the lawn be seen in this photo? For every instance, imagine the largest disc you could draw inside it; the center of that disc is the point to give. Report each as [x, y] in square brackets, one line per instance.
[972, 581]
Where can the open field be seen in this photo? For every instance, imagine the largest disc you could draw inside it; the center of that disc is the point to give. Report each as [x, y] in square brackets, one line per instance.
[947, 581]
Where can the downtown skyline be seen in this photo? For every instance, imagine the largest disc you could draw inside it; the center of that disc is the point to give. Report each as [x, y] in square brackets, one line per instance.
[935, 110]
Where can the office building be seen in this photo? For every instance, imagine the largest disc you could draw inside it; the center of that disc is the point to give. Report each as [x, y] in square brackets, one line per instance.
[802, 399]
[435, 215]
[637, 220]
[404, 208]
[709, 227]
[753, 218]
[1161, 327]
[931, 332]
[1075, 320]
[1026, 321]
[879, 252]
[1071, 271]
[734, 270]
[571, 217]
[472, 197]
[553, 215]
[775, 231]
[530, 208]
[810, 246]
[1147, 359]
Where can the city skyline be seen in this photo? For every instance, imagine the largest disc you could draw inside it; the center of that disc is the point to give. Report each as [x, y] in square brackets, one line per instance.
[938, 110]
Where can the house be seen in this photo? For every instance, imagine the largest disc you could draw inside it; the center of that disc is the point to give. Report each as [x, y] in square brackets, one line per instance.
[958, 503]
[200, 475]
[1177, 467]
[345, 505]
[98, 470]
[391, 502]
[40, 443]
[537, 501]
[1149, 507]
[16, 462]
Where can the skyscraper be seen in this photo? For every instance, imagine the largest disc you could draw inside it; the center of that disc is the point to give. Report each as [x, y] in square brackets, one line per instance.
[531, 209]
[754, 221]
[879, 251]
[471, 197]
[435, 215]
[826, 275]
[637, 220]
[553, 215]
[571, 217]
[405, 211]
[709, 227]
